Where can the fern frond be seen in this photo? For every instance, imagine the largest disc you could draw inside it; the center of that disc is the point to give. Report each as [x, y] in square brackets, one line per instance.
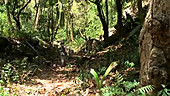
[146, 89]
[119, 78]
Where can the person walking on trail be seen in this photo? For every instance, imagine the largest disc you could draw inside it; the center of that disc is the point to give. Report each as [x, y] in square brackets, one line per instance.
[63, 54]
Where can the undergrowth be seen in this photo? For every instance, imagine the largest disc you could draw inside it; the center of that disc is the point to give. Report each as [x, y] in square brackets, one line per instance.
[17, 71]
[4, 91]
[125, 88]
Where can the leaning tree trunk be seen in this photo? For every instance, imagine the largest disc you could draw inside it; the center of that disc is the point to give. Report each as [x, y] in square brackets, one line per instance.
[154, 45]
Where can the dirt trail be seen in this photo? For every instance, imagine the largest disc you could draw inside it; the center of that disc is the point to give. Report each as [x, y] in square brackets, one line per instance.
[61, 81]
[48, 82]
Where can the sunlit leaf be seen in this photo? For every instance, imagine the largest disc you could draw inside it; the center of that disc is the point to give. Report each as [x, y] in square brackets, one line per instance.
[96, 77]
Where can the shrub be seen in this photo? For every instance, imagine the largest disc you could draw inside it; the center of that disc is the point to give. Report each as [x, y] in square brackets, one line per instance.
[17, 71]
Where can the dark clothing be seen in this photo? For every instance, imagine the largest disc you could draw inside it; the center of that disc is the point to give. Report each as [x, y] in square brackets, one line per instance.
[63, 50]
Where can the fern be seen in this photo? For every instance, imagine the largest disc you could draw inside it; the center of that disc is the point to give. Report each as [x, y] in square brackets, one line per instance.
[145, 89]
[119, 78]
[130, 86]
[164, 91]
[120, 88]
[126, 88]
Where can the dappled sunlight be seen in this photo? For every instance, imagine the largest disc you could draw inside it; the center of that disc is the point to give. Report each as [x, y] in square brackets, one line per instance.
[48, 82]
[84, 47]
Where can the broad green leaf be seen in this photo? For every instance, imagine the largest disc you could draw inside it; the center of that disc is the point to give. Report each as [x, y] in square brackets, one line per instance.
[96, 77]
[112, 65]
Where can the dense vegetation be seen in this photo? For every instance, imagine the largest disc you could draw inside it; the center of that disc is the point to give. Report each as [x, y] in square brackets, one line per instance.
[101, 39]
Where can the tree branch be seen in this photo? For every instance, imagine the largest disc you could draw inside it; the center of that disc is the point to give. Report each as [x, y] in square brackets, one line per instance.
[13, 11]
[23, 8]
[101, 14]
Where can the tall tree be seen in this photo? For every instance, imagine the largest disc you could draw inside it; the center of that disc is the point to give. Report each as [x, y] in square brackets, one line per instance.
[38, 12]
[67, 31]
[8, 13]
[68, 17]
[103, 17]
[55, 17]
[16, 14]
[140, 11]
[119, 25]
[154, 46]
[72, 27]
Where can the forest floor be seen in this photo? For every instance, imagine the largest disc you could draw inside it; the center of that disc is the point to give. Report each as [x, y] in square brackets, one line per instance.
[75, 79]
[49, 82]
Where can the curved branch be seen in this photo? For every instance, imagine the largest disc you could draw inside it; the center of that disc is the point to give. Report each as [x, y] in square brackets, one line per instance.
[13, 11]
[23, 8]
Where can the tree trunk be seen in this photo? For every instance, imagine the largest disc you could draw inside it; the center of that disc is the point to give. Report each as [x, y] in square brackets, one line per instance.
[48, 23]
[8, 14]
[16, 16]
[103, 21]
[119, 25]
[52, 26]
[103, 17]
[140, 11]
[38, 13]
[154, 45]
[67, 31]
[106, 32]
[72, 29]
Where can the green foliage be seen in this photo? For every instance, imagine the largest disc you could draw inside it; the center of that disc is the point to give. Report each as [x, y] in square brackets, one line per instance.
[126, 88]
[120, 88]
[145, 89]
[132, 59]
[3, 21]
[61, 35]
[96, 78]
[101, 70]
[17, 71]
[76, 44]
[84, 75]
[80, 83]
[164, 91]
[4, 91]
[94, 26]
[99, 82]
[112, 13]
[129, 64]
[112, 91]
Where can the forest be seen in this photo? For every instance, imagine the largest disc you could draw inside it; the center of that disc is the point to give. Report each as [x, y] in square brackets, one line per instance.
[84, 48]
